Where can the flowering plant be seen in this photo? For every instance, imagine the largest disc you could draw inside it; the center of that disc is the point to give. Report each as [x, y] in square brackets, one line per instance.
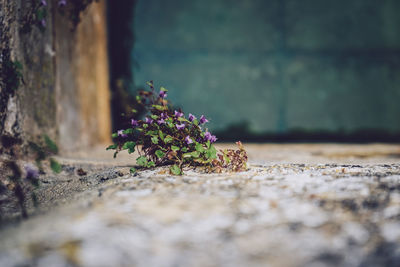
[166, 136]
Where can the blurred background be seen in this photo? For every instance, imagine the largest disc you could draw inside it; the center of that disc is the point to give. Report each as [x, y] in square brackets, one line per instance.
[265, 70]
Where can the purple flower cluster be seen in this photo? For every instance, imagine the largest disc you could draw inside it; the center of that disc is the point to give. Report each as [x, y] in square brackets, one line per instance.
[209, 137]
[180, 126]
[43, 20]
[191, 117]
[32, 173]
[62, 3]
[121, 134]
[148, 120]
[178, 114]
[163, 94]
[203, 119]
[134, 122]
[188, 140]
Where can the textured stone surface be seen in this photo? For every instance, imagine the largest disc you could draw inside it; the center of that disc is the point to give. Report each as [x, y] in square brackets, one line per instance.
[313, 212]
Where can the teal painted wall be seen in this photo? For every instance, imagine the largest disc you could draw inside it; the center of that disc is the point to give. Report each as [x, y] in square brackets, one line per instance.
[278, 65]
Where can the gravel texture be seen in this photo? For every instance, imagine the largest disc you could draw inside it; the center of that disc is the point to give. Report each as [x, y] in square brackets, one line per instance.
[340, 210]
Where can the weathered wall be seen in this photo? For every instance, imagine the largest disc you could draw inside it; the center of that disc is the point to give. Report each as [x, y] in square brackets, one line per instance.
[64, 92]
[277, 64]
[29, 109]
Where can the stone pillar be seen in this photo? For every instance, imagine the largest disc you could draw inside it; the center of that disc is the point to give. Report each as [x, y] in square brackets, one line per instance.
[83, 94]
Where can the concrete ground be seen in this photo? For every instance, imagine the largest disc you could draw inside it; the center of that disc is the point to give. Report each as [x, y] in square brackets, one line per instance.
[297, 205]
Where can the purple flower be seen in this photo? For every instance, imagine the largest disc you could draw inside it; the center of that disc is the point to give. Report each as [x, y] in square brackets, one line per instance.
[164, 116]
[209, 137]
[149, 121]
[203, 119]
[32, 173]
[178, 114]
[191, 117]
[43, 23]
[121, 134]
[188, 140]
[62, 2]
[180, 126]
[134, 122]
[163, 94]
[43, 2]
[161, 121]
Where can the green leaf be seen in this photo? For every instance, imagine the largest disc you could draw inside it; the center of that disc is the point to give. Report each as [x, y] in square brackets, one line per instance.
[159, 154]
[168, 139]
[163, 89]
[145, 126]
[187, 155]
[134, 110]
[18, 65]
[182, 119]
[208, 144]
[151, 164]
[154, 117]
[154, 139]
[174, 148]
[112, 147]
[195, 154]
[211, 153]
[227, 159]
[184, 149]
[130, 145]
[202, 161]
[161, 134]
[170, 125]
[199, 147]
[50, 144]
[175, 170]
[151, 133]
[114, 135]
[55, 165]
[128, 131]
[132, 170]
[160, 108]
[142, 161]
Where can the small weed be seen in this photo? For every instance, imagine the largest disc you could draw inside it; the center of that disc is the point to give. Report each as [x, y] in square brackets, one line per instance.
[167, 137]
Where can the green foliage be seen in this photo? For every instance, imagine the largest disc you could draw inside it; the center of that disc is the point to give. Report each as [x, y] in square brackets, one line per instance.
[12, 74]
[166, 137]
[23, 183]
[175, 170]
[51, 146]
[55, 165]
[130, 146]
[142, 161]
[160, 154]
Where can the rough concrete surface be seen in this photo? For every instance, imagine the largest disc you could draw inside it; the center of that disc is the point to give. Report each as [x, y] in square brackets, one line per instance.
[297, 205]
